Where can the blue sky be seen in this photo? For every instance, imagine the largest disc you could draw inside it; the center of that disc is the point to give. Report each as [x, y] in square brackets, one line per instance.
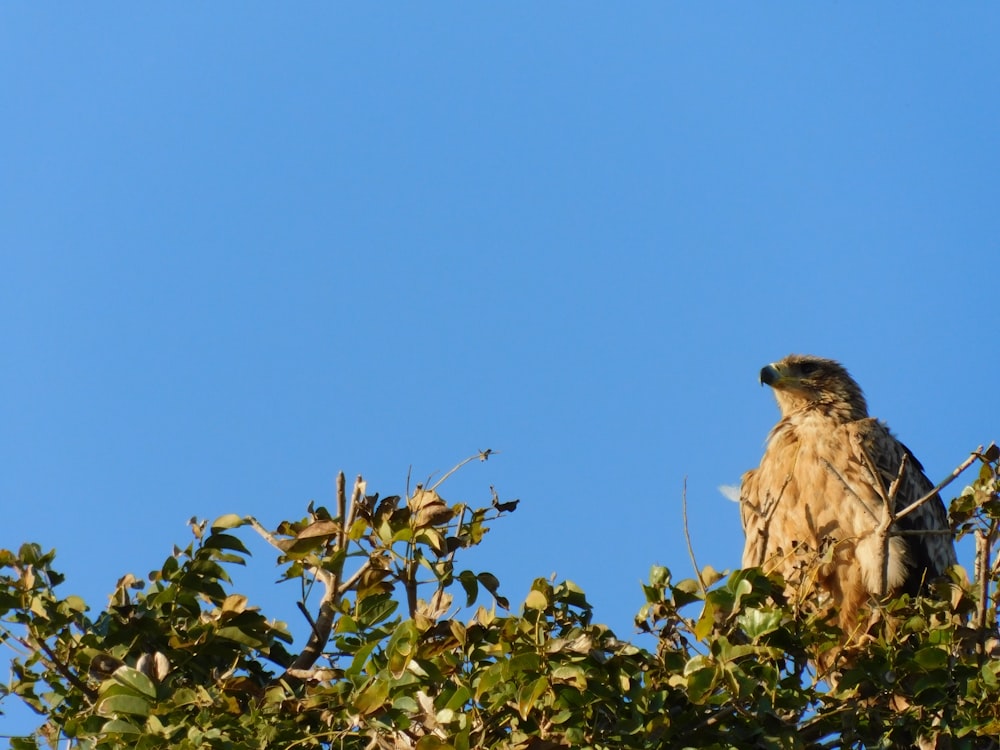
[244, 246]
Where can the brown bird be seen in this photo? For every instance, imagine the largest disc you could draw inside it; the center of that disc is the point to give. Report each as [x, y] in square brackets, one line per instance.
[812, 509]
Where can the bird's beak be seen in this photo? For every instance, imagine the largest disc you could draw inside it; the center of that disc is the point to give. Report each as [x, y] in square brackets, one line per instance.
[773, 376]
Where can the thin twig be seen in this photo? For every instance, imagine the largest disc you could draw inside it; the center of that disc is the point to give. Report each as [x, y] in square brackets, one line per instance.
[894, 487]
[309, 618]
[355, 577]
[482, 456]
[830, 468]
[342, 510]
[687, 537]
[942, 484]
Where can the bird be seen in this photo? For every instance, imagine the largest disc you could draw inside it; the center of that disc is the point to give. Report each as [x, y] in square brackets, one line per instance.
[817, 508]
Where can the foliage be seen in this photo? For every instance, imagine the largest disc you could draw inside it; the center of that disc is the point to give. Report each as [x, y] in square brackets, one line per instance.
[179, 660]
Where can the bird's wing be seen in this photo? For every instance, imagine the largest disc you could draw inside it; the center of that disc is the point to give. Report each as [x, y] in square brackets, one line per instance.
[754, 523]
[928, 554]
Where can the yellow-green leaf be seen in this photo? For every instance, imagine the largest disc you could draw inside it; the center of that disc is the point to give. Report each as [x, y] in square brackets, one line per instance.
[373, 697]
[228, 521]
[123, 704]
[536, 600]
[529, 694]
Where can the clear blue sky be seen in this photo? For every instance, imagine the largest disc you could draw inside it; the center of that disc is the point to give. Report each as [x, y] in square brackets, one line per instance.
[244, 246]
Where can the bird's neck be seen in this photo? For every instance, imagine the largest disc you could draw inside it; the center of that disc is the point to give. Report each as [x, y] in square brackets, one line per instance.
[836, 411]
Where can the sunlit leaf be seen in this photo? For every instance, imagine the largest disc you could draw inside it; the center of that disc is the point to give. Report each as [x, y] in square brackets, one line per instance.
[373, 697]
[134, 680]
[228, 521]
[401, 647]
[123, 704]
[536, 600]
[528, 695]
[757, 622]
[117, 726]
[710, 575]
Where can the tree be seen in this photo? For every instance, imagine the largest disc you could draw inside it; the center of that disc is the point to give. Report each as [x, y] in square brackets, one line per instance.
[182, 661]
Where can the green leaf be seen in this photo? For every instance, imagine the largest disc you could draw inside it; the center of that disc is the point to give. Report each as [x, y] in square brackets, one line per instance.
[374, 609]
[491, 583]
[571, 675]
[706, 621]
[686, 591]
[226, 541]
[360, 660]
[228, 521]
[75, 603]
[710, 575]
[123, 704]
[373, 697]
[741, 588]
[659, 576]
[135, 680]
[459, 699]
[529, 694]
[118, 726]
[402, 646]
[471, 585]
[757, 622]
[239, 635]
[536, 600]
[488, 679]
[701, 682]
[931, 657]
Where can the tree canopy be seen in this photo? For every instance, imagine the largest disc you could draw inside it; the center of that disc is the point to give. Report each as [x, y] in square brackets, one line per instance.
[408, 649]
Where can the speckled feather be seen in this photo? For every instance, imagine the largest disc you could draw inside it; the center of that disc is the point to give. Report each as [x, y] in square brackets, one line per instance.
[810, 510]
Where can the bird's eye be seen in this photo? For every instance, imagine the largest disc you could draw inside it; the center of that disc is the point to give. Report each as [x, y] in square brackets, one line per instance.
[808, 368]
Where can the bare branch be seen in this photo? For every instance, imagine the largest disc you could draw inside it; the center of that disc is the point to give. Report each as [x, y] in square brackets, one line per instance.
[884, 531]
[321, 627]
[333, 589]
[267, 535]
[342, 510]
[942, 484]
[61, 668]
[894, 487]
[482, 456]
[687, 537]
[982, 579]
[887, 518]
[832, 469]
[354, 578]
[309, 618]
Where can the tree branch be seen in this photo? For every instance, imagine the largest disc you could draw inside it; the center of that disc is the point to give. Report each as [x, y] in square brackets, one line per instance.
[61, 668]
[687, 537]
[482, 456]
[942, 484]
[333, 588]
[884, 531]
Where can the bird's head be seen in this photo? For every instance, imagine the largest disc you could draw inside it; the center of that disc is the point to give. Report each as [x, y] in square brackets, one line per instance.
[803, 382]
